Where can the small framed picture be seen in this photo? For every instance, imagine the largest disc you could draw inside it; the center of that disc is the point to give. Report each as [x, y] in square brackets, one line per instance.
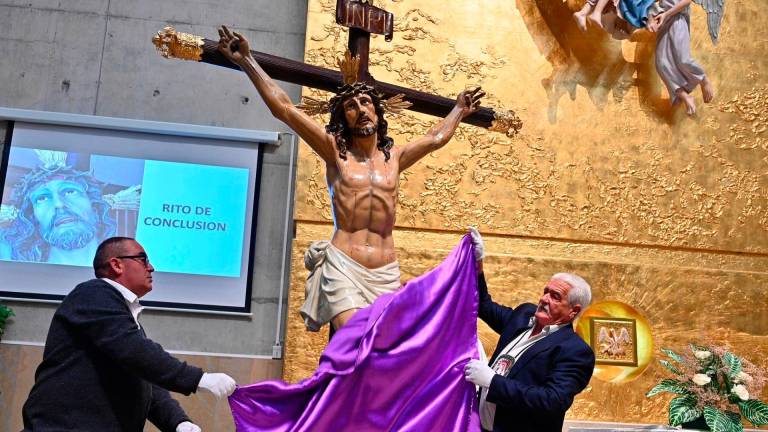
[614, 341]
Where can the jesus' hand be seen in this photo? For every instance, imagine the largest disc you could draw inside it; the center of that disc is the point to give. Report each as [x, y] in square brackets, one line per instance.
[233, 45]
[469, 101]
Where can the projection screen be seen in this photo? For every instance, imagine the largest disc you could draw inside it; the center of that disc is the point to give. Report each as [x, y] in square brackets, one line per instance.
[190, 201]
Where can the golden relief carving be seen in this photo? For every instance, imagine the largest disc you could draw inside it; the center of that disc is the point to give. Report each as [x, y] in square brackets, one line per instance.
[660, 211]
[506, 122]
[751, 108]
[471, 69]
[616, 342]
[172, 44]
[327, 7]
[411, 26]
[384, 58]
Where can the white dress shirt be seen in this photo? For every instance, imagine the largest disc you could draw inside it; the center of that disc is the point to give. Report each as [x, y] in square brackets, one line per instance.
[514, 349]
[131, 299]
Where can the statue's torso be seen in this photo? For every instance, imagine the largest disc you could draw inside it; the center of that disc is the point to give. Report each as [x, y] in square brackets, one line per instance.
[364, 197]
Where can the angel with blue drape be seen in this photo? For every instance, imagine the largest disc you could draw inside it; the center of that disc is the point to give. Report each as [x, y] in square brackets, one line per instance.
[671, 21]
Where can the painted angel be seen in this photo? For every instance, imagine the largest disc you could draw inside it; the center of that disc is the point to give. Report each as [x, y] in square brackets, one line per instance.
[674, 63]
[671, 20]
[619, 18]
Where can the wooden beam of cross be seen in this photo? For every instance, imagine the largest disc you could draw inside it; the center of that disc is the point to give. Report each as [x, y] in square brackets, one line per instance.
[362, 19]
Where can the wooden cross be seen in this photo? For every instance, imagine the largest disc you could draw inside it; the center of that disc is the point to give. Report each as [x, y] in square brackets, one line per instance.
[362, 19]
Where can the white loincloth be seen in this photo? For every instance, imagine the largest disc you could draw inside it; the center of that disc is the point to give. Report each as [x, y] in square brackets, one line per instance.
[337, 283]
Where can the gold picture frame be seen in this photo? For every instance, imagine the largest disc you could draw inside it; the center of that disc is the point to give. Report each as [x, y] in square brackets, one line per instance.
[614, 341]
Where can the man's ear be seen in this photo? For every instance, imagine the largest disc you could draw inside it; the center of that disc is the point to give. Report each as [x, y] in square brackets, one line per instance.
[116, 266]
[575, 309]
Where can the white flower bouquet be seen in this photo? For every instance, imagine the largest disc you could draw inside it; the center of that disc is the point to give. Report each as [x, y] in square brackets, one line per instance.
[714, 384]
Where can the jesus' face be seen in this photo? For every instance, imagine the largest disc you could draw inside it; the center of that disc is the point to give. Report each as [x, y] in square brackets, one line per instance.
[64, 213]
[360, 114]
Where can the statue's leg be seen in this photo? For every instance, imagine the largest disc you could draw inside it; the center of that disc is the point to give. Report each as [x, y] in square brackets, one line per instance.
[339, 320]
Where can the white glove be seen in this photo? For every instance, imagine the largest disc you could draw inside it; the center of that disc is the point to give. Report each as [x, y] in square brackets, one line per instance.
[221, 385]
[478, 373]
[188, 427]
[477, 240]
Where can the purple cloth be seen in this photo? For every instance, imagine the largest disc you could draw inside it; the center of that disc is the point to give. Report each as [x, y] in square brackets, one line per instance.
[397, 365]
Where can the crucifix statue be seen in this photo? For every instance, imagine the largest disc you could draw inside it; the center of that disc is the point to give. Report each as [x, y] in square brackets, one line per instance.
[362, 19]
[363, 165]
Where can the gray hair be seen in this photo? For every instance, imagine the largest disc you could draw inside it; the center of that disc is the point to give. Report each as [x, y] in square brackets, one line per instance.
[580, 292]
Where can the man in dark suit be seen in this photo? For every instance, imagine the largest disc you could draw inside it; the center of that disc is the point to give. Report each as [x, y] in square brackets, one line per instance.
[539, 364]
[100, 372]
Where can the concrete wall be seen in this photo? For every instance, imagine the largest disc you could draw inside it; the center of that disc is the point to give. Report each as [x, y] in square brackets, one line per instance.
[96, 57]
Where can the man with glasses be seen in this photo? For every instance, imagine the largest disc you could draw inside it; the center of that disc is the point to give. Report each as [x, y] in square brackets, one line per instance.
[100, 372]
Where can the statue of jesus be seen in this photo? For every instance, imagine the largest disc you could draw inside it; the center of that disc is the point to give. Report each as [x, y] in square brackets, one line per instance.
[362, 171]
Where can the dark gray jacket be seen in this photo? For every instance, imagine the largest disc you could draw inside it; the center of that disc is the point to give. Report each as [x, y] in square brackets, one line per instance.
[101, 373]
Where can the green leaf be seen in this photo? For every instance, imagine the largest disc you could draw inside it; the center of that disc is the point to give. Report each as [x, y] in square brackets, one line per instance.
[734, 416]
[671, 367]
[683, 409]
[670, 386]
[5, 313]
[673, 355]
[734, 364]
[719, 422]
[755, 411]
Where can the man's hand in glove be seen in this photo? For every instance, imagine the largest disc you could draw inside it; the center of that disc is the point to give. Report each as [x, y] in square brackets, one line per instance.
[188, 427]
[221, 385]
[477, 240]
[478, 373]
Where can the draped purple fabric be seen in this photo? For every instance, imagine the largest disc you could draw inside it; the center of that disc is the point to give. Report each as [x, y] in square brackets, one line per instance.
[397, 365]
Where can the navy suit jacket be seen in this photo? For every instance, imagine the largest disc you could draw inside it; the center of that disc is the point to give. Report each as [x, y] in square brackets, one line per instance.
[542, 383]
[101, 373]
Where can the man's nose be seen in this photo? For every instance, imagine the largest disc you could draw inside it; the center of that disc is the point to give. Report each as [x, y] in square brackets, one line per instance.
[57, 201]
[150, 268]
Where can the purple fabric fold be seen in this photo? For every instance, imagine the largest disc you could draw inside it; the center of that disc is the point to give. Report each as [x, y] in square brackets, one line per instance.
[397, 365]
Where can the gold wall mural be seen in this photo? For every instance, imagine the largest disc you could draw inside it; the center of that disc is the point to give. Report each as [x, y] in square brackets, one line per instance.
[661, 211]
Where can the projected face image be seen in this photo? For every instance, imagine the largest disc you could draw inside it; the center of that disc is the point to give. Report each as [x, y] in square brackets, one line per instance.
[62, 217]
[64, 214]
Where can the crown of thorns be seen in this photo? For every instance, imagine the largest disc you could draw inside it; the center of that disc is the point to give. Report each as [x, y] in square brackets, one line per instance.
[349, 67]
[41, 174]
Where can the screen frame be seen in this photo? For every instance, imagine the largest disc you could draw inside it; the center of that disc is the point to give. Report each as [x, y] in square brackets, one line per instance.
[259, 138]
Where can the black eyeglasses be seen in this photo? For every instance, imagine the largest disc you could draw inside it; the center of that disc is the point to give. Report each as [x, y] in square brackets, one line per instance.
[141, 257]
